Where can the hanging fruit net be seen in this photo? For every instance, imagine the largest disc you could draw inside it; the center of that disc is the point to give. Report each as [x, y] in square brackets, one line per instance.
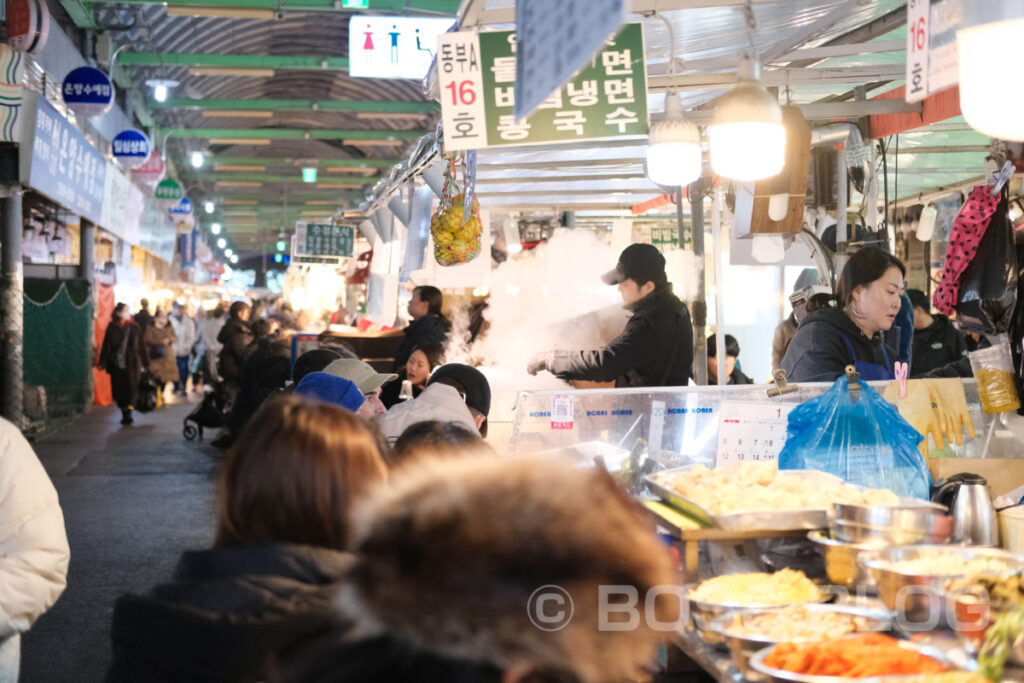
[457, 237]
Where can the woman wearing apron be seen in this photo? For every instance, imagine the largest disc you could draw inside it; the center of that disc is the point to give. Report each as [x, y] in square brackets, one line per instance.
[851, 333]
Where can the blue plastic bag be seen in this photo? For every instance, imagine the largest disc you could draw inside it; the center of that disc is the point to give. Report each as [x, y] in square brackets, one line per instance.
[867, 443]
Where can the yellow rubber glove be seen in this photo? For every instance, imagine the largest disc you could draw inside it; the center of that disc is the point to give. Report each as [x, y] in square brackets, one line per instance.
[948, 394]
[916, 408]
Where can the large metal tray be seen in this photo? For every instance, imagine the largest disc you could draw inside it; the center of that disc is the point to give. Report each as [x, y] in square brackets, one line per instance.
[752, 520]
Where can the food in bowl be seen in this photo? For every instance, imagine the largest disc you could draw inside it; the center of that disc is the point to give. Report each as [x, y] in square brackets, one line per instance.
[947, 564]
[742, 486]
[1002, 590]
[784, 587]
[863, 656]
[797, 623]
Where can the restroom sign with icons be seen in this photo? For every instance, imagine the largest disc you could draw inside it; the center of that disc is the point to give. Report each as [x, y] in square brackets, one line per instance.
[393, 47]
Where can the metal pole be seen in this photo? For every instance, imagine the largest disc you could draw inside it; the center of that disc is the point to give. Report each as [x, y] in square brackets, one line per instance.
[86, 241]
[842, 234]
[12, 306]
[700, 306]
[716, 235]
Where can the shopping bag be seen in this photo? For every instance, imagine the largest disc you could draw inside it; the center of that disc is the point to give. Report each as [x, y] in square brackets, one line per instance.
[988, 287]
[865, 441]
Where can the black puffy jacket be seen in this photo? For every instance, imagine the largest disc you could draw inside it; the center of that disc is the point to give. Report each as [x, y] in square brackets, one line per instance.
[658, 334]
[936, 346]
[228, 615]
[818, 352]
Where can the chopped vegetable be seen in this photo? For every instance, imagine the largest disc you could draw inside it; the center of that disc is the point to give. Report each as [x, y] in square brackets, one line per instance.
[861, 656]
[1000, 638]
[784, 587]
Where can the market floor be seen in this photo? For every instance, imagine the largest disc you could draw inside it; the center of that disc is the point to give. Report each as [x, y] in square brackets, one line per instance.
[133, 499]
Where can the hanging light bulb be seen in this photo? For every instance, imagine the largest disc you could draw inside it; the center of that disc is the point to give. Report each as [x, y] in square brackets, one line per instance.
[228, 252]
[673, 147]
[221, 243]
[234, 258]
[209, 207]
[748, 140]
[160, 93]
[197, 159]
[215, 228]
[988, 38]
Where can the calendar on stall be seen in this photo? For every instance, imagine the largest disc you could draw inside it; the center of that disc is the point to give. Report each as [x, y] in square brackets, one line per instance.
[751, 432]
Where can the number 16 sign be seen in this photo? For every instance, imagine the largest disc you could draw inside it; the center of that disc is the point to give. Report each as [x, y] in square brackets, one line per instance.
[460, 76]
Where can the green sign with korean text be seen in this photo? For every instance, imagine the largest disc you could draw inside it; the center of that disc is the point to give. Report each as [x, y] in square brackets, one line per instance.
[323, 239]
[477, 74]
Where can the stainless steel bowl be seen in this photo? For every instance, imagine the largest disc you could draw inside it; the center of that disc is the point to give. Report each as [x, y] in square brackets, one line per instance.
[742, 647]
[783, 676]
[919, 599]
[841, 564]
[891, 525]
[704, 613]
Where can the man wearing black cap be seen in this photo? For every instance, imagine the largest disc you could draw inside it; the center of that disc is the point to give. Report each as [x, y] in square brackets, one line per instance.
[655, 349]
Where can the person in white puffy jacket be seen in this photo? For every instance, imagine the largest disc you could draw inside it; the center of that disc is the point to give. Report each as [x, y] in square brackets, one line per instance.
[33, 545]
[185, 327]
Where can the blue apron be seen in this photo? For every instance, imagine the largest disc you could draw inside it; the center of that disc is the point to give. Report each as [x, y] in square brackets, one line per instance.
[870, 372]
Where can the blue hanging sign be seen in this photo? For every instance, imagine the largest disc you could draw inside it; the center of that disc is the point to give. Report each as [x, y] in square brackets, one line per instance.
[182, 208]
[131, 147]
[88, 92]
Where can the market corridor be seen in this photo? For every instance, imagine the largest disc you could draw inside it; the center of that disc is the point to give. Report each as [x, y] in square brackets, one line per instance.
[133, 499]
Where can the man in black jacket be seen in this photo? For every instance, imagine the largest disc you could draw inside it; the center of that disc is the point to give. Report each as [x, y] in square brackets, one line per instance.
[936, 342]
[655, 349]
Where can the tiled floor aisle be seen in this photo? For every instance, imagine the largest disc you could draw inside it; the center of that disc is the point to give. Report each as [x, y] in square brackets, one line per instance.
[133, 499]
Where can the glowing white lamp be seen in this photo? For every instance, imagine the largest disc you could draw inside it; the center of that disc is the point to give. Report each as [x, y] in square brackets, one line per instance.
[234, 258]
[748, 140]
[221, 243]
[209, 207]
[197, 159]
[215, 228]
[160, 93]
[989, 37]
[673, 147]
[228, 252]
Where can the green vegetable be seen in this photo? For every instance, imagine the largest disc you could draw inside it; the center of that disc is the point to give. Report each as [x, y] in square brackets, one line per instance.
[999, 640]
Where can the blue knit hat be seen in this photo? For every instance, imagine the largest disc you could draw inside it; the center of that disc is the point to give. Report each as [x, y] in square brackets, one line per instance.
[329, 388]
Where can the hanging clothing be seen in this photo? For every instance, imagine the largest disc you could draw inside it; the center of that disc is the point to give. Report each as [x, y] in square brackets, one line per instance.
[968, 229]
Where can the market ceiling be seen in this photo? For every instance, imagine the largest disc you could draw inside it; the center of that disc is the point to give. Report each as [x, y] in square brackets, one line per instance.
[263, 93]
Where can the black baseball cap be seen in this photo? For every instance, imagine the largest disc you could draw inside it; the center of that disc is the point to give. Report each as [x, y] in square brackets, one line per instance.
[638, 262]
[469, 382]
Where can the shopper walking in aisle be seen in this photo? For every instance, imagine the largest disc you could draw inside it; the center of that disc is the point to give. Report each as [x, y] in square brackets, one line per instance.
[429, 327]
[185, 329]
[160, 339]
[283, 524]
[235, 338]
[123, 355]
[143, 317]
[34, 549]
[209, 347]
[655, 349]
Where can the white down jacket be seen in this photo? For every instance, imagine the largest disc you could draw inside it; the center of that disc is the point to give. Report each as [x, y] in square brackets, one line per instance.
[33, 545]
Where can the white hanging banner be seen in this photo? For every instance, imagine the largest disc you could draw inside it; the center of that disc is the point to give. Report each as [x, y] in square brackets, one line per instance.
[931, 46]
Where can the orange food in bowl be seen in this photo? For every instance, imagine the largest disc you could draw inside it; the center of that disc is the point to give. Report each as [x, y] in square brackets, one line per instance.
[864, 656]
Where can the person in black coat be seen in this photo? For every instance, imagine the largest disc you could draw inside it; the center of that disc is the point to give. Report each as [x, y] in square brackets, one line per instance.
[937, 343]
[229, 613]
[869, 296]
[236, 335]
[123, 356]
[655, 349]
[143, 318]
[429, 327]
[732, 353]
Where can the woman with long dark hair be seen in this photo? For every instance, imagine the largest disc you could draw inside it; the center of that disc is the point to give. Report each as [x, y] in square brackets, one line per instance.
[868, 299]
[286, 492]
[123, 356]
[429, 327]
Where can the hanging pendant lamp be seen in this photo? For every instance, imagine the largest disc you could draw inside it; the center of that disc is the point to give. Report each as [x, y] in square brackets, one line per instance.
[748, 140]
[986, 46]
[673, 147]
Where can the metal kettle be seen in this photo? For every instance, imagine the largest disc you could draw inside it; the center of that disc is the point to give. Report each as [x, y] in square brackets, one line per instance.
[969, 502]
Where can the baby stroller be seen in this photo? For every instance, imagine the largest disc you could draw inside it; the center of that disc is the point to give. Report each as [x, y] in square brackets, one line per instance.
[210, 413]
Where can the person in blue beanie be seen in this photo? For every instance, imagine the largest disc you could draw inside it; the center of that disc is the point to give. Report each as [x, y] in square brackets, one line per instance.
[330, 388]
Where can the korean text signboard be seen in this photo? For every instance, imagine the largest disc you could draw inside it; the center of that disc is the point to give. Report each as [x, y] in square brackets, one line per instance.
[131, 147]
[64, 166]
[931, 46]
[477, 74]
[322, 239]
[555, 39]
[88, 91]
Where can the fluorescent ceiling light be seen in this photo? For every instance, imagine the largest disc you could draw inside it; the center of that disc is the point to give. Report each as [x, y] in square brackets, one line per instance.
[230, 71]
[223, 12]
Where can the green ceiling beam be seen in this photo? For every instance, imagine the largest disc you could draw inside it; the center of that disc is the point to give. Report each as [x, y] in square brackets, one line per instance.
[446, 7]
[289, 161]
[80, 13]
[294, 134]
[233, 61]
[299, 105]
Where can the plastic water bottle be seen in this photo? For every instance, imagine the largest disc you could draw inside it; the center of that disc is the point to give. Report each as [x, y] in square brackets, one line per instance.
[406, 392]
